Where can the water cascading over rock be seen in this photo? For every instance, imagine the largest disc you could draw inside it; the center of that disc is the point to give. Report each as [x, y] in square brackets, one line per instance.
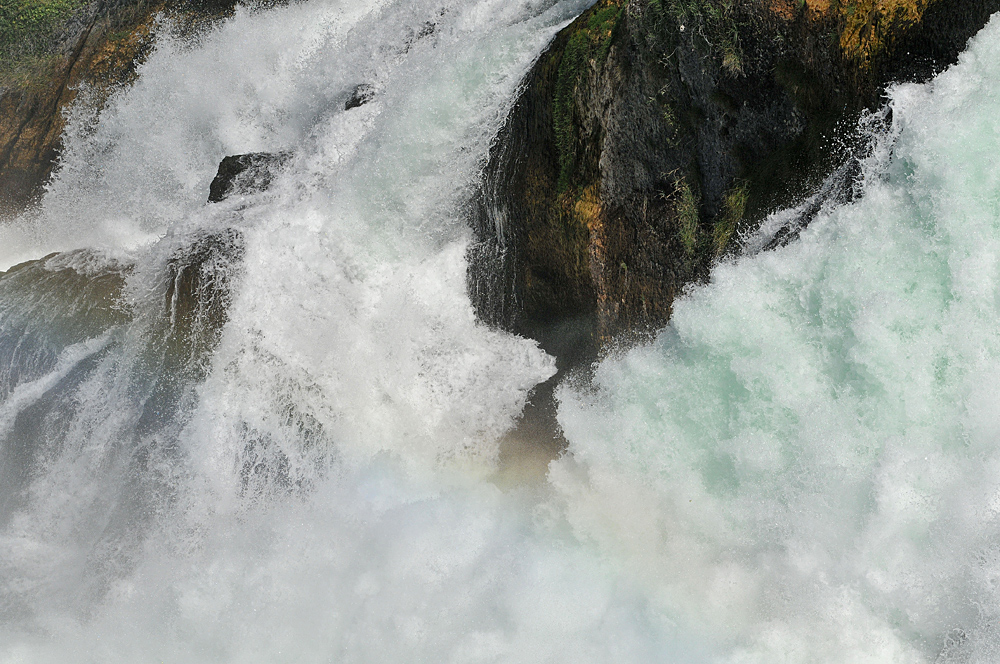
[270, 428]
[652, 134]
[51, 50]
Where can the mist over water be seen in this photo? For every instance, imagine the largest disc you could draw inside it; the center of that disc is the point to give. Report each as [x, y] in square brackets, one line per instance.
[803, 467]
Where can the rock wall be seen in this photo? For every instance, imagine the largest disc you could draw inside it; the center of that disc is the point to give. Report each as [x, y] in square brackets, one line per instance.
[651, 132]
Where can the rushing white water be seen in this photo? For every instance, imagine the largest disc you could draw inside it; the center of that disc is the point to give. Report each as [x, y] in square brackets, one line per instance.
[804, 467]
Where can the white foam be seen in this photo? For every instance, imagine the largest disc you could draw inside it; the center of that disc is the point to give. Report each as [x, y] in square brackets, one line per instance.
[801, 465]
[802, 468]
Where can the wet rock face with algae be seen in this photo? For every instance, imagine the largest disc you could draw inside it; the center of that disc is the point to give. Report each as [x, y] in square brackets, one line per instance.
[652, 132]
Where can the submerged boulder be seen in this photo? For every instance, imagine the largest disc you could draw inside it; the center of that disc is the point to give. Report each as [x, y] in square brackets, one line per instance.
[652, 132]
[246, 173]
[50, 304]
[361, 95]
[67, 298]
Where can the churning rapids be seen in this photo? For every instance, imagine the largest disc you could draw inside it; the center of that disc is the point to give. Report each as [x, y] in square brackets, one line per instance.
[266, 430]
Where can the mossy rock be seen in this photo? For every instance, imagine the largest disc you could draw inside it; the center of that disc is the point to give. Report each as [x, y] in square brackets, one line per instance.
[676, 126]
[27, 32]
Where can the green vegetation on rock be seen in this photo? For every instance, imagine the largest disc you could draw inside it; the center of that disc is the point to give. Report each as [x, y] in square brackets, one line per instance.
[573, 60]
[27, 28]
[734, 205]
[712, 20]
[591, 41]
[687, 216]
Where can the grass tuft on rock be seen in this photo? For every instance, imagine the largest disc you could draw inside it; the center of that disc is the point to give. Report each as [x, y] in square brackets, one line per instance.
[687, 216]
[734, 205]
[27, 30]
[591, 42]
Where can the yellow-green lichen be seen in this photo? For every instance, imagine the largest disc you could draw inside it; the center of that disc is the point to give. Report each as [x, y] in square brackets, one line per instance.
[867, 27]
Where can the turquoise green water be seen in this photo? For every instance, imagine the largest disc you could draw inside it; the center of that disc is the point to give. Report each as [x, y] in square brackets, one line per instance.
[804, 467]
[806, 463]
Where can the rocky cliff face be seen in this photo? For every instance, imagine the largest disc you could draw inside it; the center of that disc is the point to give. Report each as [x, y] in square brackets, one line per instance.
[653, 131]
[48, 48]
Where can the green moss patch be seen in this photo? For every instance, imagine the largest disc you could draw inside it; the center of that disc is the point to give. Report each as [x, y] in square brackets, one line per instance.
[591, 41]
[27, 28]
[734, 206]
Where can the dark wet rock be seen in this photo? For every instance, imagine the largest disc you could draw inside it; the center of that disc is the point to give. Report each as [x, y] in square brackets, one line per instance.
[361, 95]
[428, 29]
[652, 133]
[182, 334]
[246, 173]
[197, 295]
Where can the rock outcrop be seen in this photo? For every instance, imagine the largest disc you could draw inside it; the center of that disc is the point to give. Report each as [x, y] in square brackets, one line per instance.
[196, 299]
[651, 132]
[246, 173]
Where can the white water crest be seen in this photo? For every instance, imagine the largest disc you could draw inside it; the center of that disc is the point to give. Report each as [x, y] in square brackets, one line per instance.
[804, 467]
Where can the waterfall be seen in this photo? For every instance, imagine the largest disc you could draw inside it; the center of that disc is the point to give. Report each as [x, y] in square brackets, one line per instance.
[267, 429]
